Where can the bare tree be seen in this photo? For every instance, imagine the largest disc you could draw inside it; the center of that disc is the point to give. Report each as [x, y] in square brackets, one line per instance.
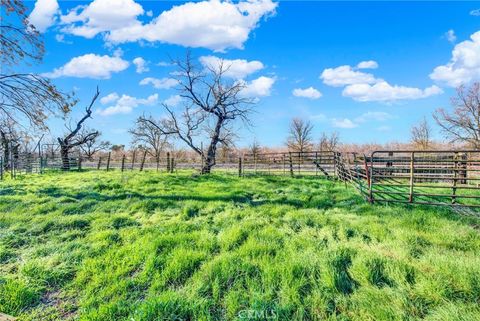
[254, 148]
[300, 135]
[25, 95]
[210, 105]
[147, 133]
[329, 142]
[421, 135]
[76, 137]
[463, 125]
[92, 146]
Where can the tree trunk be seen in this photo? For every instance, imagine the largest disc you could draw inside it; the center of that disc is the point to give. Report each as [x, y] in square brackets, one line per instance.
[6, 149]
[212, 149]
[64, 152]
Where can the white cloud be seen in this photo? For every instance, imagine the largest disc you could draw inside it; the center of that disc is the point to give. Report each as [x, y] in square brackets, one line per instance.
[259, 87]
[345, 75]
[141, 65]
[44, 14]
[125, 104]
[363, 86]
[173, 100]
[369, 64]
[464, 66]
[164, 64]
[475, 12]
[383, 91]
[61, 38]
[101, 16]
[163, 83]
[110, 98]
[343, 123]
[236, 69]
[450, 36]
[309, 92]
[214, 24]
[90, 66]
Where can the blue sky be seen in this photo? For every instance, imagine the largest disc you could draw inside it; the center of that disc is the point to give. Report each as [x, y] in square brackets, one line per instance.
[300, 59]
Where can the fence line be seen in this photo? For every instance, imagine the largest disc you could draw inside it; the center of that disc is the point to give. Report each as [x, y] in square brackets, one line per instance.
[413, 177]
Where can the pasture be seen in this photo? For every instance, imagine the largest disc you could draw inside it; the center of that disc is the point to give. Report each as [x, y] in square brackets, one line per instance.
[97, 245]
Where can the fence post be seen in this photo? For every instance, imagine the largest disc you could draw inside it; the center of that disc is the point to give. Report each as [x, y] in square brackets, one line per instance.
[143, 160]
[133, 159]
[369, 179]
[284, 165]
[1, 169]
[335, 176]
[168, 162]
[108, 161]
[412, 175]
[291, 163]
[172, 164]
[79, 162]
[40, 164]
[239, 167]
[99, 162]
[123, 162]
[454, 183]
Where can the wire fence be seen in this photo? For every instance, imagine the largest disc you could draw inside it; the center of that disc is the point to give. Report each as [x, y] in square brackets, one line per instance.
[416, 177]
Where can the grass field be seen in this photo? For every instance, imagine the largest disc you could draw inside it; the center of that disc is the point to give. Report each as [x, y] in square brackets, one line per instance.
[147, 246]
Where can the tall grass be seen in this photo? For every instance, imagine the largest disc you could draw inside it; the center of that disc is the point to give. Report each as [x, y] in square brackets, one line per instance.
[148, 246]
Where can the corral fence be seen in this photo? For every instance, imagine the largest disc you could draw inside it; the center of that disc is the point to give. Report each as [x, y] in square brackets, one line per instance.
[417, 177]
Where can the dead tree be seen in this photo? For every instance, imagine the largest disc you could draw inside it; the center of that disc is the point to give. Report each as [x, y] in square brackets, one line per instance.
[210, 106]
[254, 148]
[76, 137]
[92, 146]
[463, 124]
[329, 143]
[300, 135]
[421, 135]
[149, 135]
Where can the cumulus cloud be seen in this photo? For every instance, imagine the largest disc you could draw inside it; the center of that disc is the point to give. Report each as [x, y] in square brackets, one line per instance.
[110, 98]
[163, 83]
[475, 12]
[101, 16]
[309, 92]
[362, 86]
[383, 91]
[464, 65]
[450, 36]
[343, 123]
[259, 87]
[345, 75]
[124, 104]
[141, 65]
[369, 64]
[236, 69]
[90, 66]
[173, 100]
[44, 14]
[214, 24]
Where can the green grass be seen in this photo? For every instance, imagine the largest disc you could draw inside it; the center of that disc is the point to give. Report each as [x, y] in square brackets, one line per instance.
[147, 246]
